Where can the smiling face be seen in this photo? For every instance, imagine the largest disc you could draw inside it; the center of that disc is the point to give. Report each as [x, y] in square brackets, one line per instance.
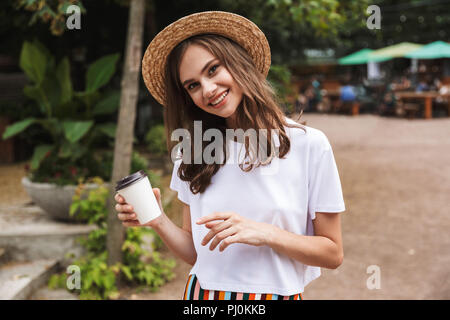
[208, 83]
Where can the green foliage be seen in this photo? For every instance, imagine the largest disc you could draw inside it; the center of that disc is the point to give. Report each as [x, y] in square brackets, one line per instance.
[33, 61]
[156, 140]
[75, 130]
[142, 264]
[71, 119]
[98, 280]
[50, 11]
[100, 72]
[280, 78]
[90, 208]
[292, 26]
[321, 15]
[40, 152]
[138, 162]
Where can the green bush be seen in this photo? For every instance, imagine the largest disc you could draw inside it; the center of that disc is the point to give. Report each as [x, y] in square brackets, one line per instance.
[156, 140]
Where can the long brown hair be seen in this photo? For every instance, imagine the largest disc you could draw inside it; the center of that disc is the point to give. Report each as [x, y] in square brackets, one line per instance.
[259, 108]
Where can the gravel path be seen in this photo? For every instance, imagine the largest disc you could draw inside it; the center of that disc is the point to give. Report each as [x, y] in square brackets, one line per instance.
[11, 191]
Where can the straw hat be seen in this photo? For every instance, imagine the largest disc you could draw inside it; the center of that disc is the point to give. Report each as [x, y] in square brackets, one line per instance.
[230, 25]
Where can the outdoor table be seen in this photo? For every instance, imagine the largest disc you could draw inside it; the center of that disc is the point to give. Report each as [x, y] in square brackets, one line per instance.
[427, 96]
[335, 95]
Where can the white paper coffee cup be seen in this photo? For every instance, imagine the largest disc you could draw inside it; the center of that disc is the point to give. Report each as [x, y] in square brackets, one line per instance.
[137, 191]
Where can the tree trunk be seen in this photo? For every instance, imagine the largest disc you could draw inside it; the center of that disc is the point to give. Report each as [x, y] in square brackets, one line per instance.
[123, 146]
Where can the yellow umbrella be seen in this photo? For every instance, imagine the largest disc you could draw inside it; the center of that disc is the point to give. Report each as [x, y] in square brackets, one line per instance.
[395, 51]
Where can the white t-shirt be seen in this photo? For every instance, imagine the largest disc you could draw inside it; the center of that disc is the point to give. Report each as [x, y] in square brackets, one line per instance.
[287, 193]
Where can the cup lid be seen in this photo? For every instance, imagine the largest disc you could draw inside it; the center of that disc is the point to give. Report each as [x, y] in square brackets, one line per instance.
[128, 180]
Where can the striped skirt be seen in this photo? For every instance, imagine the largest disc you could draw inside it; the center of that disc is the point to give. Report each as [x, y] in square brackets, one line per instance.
[194, 292]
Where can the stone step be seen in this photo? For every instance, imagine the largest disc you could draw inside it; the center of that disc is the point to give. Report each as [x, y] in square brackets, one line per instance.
[27, 234]
[18, 280]
[44, 293]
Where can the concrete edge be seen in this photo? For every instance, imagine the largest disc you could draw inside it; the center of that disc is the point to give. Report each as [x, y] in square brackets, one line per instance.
[40, 279]
[22, 288]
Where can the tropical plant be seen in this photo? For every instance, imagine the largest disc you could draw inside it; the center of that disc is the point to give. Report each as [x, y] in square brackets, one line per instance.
[73, 119]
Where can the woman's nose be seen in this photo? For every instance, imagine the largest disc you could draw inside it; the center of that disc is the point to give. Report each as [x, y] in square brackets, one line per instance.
[209, 89]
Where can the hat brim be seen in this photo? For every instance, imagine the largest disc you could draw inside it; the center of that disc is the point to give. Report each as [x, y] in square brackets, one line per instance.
[230, 25]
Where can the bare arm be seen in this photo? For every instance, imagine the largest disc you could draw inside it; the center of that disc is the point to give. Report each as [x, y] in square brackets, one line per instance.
[178, 240]
[324, 249]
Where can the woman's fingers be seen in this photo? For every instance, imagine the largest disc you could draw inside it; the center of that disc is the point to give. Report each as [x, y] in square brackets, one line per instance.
[222, 236]
[225, 243]
[157, 193]
[216, 227]
[127, 216]
[131, 223]
[215, 216]
[119, 198]
[126, 212]
[124, 208]
[129, 219]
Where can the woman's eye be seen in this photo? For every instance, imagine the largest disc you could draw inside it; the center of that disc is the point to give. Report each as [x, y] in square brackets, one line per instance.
[191, 86]
[213, 69]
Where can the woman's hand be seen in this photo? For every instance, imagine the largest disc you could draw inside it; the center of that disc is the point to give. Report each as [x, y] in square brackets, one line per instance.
[229, 227]
[127, 215]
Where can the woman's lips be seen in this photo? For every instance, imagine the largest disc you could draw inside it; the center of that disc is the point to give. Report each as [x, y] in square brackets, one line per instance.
[221, 103]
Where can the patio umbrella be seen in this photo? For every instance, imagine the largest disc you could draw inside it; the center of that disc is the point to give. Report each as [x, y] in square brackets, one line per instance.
[360, 57]
[395, 51]
[433, 50]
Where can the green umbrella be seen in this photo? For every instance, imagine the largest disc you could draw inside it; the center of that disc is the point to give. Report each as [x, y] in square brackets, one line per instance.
[396, 51]
[360, 57]
[434, 50]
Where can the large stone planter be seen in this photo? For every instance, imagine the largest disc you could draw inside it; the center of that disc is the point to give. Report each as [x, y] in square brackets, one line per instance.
[53, 199]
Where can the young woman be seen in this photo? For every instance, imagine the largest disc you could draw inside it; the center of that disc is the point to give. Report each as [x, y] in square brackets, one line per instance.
[257, 226]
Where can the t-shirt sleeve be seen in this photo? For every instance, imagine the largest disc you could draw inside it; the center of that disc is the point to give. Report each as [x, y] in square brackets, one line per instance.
[178, 185]
[324, 185]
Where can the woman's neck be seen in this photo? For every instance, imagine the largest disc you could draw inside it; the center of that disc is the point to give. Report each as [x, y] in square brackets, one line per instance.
[231, 121]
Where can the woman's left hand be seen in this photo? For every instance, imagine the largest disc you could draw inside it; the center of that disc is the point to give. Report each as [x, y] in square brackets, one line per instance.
[229, 227]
